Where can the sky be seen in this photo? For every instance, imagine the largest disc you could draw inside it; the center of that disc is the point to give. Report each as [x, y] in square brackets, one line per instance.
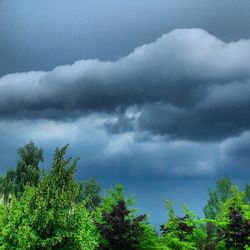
[152, 94]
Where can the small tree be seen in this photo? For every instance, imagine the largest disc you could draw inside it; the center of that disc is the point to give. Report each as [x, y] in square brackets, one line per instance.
[118, 230]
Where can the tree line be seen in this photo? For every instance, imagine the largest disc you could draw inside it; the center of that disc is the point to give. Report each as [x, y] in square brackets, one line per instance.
[41, 210]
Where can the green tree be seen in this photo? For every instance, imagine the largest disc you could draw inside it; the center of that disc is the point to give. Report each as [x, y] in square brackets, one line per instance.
[247, 193]
[27, 170]
[113, 196]
[233, 222]
[90, 192]
[150, 239]
[7, 185]
[49, 216]
[186, 232]
[215, 197]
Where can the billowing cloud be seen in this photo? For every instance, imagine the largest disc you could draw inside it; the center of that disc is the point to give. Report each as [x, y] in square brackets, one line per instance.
[235, 154]
[109, 156]
[186, 85]
[223, 113]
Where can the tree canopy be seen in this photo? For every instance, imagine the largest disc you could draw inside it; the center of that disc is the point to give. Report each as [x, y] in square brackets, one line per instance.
[54, 211]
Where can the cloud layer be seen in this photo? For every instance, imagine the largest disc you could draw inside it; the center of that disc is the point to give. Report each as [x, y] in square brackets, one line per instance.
[186, 85]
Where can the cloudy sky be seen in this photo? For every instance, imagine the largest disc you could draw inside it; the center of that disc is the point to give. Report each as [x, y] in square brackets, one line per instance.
[153, 94]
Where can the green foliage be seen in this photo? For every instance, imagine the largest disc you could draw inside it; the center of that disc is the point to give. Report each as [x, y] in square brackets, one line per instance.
[238, 201]
[221, 193]
[150, 239]
[247, 193]
[27, 172]
[90, 192]
[113, 196]
[49, 217]
[15, 223]
[55, 212]
[187, 232]
[233, 222]
[8, 186]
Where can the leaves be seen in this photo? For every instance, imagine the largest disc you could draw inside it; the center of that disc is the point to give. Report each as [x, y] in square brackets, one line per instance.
[48, 216]
[90, 192]
[55, 212]
[118, 230]
[221, 193]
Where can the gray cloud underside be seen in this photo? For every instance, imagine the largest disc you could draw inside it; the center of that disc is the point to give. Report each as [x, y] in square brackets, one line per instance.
[186, 85]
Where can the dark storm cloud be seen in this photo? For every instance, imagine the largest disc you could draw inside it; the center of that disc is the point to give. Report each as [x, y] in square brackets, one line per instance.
[225, 112]
[188, 84]
[235, 155]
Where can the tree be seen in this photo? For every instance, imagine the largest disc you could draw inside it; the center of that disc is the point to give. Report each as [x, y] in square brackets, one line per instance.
[185, 232]
[90, 192]
[49, 216]
[150, 239]
[118, 230]
[7, 185]
[247, 193]
[221, 193]
[234, 222]
[113, 196]
[238, 229]
[27, 171]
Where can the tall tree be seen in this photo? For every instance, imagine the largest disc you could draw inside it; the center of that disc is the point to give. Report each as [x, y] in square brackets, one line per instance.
[49, 216]
[90, 192]
[27, 171]
[215, 197]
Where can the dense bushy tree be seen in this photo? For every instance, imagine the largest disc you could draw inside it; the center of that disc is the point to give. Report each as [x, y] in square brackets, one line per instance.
[118, 230]
[48, 216]
[186, 232]
[238, 230]
[234, 222]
